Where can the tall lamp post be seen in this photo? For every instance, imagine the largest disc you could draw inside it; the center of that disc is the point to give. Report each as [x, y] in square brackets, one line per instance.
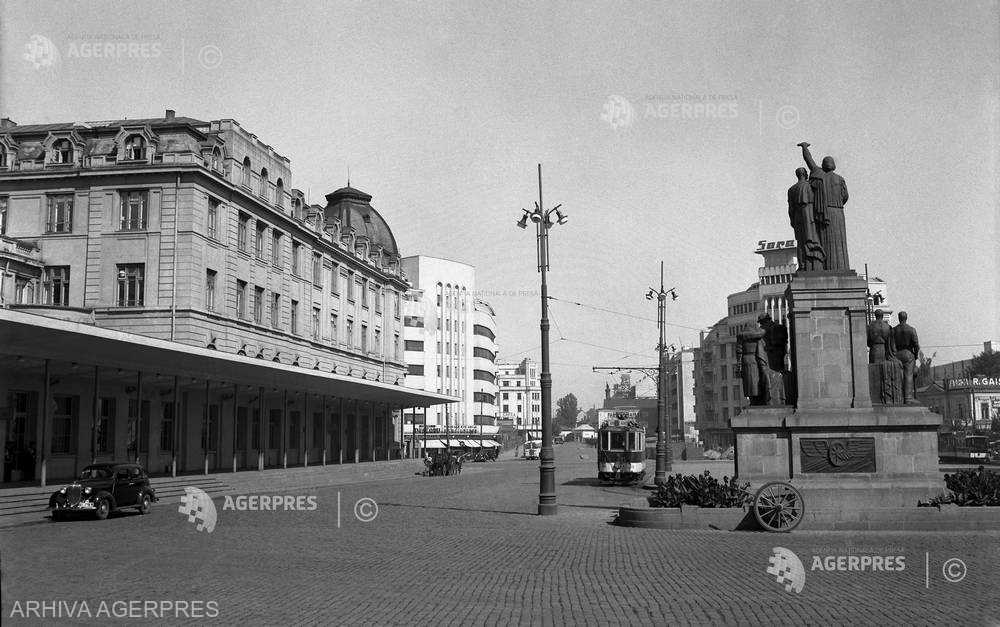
[662, 424]
[547, 461]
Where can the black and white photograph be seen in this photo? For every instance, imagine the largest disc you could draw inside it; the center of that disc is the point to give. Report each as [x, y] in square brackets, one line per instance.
[474, 313]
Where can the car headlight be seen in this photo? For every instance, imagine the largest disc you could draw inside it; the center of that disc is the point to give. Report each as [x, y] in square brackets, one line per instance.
[86, 490]
[63, 491]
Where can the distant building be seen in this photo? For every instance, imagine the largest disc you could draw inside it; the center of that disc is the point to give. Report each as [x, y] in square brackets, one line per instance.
[521, 396]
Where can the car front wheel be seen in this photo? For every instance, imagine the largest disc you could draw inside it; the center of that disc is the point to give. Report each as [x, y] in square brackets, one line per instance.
[103, 509]
[145, 503]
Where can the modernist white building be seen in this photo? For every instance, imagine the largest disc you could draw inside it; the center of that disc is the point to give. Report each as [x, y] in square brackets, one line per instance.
[521, 396]
[449, 340]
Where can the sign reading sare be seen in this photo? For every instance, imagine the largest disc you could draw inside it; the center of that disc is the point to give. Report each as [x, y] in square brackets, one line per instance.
[766, 245]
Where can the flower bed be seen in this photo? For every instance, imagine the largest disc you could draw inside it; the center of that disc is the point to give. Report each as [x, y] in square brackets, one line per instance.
[702, 490]
[969, 488]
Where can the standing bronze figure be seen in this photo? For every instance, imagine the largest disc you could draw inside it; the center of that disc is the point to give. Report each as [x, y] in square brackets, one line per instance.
[801, 214]
[907, 348]
[884, 369]
[829, 197]
[752, 355]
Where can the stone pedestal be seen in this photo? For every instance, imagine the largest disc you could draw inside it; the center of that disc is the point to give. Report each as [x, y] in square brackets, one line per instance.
[834, 445]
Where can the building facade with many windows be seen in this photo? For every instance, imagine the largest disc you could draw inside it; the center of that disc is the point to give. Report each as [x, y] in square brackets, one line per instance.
[450, 341]
[189, 232]
[520, 391]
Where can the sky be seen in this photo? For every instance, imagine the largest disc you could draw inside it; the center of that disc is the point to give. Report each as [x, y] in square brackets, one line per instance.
[667, 131]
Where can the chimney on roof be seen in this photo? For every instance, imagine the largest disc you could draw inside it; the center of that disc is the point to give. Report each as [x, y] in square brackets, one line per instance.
[170, 114]
[988, 347]
[7, 123]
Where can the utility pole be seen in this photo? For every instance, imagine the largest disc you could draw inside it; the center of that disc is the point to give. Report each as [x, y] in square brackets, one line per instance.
[663, 461]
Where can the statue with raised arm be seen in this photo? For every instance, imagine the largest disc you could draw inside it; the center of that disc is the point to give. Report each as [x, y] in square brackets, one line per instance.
[829, 197]
[801, 215]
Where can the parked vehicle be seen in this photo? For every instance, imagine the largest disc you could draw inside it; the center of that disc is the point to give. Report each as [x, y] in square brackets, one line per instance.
[104, 488]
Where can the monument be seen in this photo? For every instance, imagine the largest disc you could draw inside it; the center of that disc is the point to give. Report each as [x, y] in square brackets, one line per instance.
[850, 438]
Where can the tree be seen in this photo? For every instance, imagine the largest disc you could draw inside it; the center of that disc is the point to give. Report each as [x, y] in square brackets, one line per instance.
[986, 363]
[592, 417]
[566, 412]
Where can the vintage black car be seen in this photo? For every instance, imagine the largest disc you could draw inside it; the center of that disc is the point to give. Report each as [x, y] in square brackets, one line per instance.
[103, 488]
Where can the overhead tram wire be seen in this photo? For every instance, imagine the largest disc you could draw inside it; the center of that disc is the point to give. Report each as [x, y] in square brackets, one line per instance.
[623, 313]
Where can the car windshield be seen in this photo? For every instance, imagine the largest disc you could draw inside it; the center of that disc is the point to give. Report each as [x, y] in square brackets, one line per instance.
[95, 472]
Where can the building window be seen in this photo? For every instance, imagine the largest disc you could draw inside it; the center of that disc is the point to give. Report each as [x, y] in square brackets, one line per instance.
[241, 299]
[64, 424]
[317, 270]
[274, 429]
[241, 428]
[262, 192]
[132, 216]
[131, 283]
[377, 299]
[105, 435]
[378, 341]
[396, 307]
[293, 429]
[415, 370]
[315, 324]
[210, 439]
[364, 338]
[276, 248]
[255, 430]
[55, 282]
[295, 316]
[333, 328]
[210, 289]
[350, 333]
[212, 220]
[24, 291]
[247, 177]
[60, 214]
[216, 162]
[62, 151]
[414, 345]
[275, 309]
[241, 232]
[364, 292]
[258, 243]
[135, 148]
[333, 277]
[3, 215]
[167, 428]
[395, 345]
[723, 372]
[296, 250]
[258, 305]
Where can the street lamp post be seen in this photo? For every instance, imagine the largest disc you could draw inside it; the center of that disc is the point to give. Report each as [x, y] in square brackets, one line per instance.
[547, 462]
[663, 461]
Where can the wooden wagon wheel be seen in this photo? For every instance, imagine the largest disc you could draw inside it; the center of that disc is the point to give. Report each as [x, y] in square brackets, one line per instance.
[778, 507]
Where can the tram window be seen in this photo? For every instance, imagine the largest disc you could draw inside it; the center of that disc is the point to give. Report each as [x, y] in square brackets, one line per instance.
[617, 441]
[635, 444]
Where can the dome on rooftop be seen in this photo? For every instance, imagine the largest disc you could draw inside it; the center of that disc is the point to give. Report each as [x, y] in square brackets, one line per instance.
[354, 210]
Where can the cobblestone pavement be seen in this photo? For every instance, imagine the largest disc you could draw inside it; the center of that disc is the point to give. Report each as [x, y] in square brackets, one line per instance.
[468, 550]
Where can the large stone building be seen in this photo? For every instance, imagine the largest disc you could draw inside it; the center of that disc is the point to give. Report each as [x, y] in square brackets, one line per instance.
[450, 341]
[169, 296]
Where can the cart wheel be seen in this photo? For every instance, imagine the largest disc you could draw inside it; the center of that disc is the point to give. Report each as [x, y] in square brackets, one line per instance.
[778, 507]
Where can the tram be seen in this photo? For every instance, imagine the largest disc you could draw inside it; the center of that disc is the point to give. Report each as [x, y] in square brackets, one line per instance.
[621, 447]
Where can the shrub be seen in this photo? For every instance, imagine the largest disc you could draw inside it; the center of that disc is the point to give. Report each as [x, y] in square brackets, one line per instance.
[974, 488]
[702, 490]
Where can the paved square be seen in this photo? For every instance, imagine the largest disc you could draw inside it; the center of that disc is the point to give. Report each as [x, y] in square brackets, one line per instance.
[468, 550]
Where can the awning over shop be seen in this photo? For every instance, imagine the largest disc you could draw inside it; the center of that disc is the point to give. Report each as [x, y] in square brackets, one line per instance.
[39, 337]
[470, 443]
[430, 443]
[491, 444]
